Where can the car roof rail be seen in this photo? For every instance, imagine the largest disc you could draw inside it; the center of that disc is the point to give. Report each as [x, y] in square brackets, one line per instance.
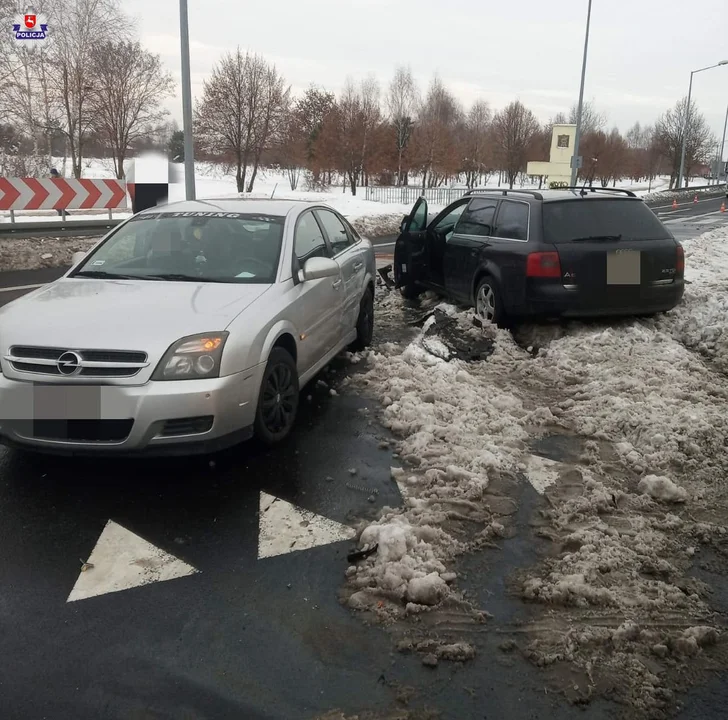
[583, 190]
[477, 191]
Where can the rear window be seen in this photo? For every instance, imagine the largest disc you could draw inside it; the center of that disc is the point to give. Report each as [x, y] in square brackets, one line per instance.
[571, 219]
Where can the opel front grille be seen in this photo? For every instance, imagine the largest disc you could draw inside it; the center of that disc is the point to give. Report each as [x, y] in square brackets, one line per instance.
[62, 362]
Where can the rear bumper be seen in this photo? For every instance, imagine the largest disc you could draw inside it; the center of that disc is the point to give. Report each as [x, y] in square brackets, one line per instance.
[140, 411]
[559, 301]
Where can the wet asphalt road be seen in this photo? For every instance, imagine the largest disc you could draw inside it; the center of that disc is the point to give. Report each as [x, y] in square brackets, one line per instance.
[243, 638]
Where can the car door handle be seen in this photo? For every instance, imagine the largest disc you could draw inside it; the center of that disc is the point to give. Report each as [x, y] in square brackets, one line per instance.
[336, 284]
[358, 266]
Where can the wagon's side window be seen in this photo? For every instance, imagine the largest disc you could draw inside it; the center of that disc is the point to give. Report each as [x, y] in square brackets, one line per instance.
[478, 218]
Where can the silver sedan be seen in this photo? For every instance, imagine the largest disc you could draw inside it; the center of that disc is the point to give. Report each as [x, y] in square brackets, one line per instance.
[187, 329]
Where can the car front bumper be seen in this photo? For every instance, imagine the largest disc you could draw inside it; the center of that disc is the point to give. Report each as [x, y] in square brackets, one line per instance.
[183, 417]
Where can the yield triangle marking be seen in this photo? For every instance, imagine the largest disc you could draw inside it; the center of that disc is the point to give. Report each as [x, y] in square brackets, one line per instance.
[122, 560]
[285, 528]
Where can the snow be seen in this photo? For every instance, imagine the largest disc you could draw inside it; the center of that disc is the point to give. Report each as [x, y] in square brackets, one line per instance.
[662, 488]
[627, 513]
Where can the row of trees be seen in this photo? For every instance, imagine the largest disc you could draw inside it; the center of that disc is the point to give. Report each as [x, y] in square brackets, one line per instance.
[247, 116]
[92, 89]
[90, 84]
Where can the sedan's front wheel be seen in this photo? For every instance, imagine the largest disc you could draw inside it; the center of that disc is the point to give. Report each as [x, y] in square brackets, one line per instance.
[365, 322]
[278, 399]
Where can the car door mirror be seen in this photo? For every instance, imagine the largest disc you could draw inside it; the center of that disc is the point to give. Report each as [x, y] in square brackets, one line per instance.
[317, 268]
[77, 257]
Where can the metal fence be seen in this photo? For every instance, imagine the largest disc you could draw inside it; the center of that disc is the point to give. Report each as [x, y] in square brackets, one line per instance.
[407, 195]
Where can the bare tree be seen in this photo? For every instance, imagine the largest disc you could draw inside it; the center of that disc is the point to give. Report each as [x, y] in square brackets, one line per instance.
[371, 118]
[233, 120]
[78, 27]
[312, 110]
[669, 133]
[605, 157]
[24, 94]
[269, 124]
[476, 143]
[434, 137]
[402, 104]
[350, 121]
[129, 85]
[515, 128]
[592, 120]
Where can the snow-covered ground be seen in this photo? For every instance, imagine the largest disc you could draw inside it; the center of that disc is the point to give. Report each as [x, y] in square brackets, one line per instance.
[635, 515]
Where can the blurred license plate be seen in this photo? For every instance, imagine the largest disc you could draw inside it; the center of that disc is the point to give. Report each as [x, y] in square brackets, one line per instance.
[624, 267]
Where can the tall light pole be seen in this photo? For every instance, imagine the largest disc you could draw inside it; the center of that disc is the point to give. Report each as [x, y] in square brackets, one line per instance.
[687, 120]
[187, 102]
[722, 148]
[577, 136]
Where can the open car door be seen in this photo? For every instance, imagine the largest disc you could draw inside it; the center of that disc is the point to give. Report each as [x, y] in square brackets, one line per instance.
[410, 250]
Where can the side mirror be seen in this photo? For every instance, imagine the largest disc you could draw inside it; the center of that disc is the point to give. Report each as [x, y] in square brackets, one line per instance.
[77, 257]
[318, 267]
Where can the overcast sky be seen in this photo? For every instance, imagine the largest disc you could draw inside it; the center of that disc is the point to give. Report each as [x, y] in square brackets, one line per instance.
[641, 52]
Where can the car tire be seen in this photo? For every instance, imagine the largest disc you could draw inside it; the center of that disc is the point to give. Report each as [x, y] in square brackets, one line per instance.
[278, 398]
[365, 322]
[488, 302]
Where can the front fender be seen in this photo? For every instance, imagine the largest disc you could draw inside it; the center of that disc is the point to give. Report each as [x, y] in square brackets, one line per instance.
[281, 327]
[486, 267]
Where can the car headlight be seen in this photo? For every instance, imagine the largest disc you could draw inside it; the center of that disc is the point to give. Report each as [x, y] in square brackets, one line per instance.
[192, 358]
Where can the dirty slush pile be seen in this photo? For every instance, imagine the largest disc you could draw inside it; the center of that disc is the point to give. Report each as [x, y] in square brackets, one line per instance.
[634, 521]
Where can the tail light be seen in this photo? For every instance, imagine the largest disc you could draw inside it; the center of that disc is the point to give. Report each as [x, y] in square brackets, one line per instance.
[543, 265]
[680, 262]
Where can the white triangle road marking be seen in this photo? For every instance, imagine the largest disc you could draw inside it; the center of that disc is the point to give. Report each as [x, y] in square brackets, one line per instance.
[122, 560]
[286, 528]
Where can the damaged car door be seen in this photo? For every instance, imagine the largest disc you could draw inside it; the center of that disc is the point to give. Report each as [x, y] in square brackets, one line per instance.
[411, 252]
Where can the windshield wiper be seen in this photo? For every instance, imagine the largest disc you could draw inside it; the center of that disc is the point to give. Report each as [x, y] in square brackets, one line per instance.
[183, 277]
[596, 238]
[106, 275]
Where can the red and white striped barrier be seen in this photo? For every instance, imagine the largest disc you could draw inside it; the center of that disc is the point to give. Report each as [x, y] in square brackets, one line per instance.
[61, 194]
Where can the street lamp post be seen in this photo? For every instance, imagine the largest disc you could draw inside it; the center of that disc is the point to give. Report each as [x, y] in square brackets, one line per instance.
[187, 102]
[687, 120]
[577, 135]
[722, 148]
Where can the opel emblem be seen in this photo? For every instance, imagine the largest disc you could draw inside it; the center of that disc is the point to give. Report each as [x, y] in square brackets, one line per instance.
[69, 363]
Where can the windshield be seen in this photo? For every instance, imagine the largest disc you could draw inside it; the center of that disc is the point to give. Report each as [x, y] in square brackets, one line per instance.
[572, 220]
[191, 246]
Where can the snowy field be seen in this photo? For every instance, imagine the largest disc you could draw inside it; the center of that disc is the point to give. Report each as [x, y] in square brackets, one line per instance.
[634, 515]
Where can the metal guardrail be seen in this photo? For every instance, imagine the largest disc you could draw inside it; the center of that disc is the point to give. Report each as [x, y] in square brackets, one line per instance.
[68, 227]
[408, 195]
